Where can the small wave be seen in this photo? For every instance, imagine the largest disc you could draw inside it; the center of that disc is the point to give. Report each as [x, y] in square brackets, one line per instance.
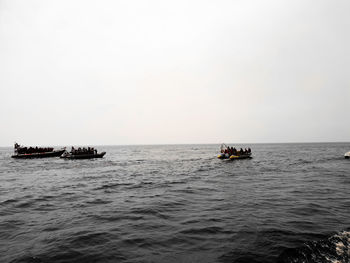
[25, 204]
[139, 241]
[113, 218]
[335, 249]
[203, 230]
[183, 181]
[191, 160]
[99, 201]
[300, 162]
[187, 190]
[9, 224]
[149, 211]
[85, 237]
[8, 201]
[139, 185]
[106, 186]
[69, 255]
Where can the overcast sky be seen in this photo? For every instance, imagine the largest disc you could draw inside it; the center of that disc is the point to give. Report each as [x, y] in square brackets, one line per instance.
[155, 72]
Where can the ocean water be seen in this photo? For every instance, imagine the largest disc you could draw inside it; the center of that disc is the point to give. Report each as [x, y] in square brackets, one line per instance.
[178, 203]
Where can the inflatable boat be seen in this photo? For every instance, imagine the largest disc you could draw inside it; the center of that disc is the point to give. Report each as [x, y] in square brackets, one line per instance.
[225, 154]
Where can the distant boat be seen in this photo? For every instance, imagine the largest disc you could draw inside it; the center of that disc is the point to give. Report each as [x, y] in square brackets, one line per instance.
[347, 155]
[22, 152]
[225, 154]
[39, 155]
[68, 155]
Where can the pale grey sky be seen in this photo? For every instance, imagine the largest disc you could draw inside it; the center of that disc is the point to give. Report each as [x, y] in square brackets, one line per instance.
[154, 72]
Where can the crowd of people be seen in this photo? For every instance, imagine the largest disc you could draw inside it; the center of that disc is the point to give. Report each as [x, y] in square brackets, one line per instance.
[31, 150]
[89, 150]
[233, 151]
[28, 150]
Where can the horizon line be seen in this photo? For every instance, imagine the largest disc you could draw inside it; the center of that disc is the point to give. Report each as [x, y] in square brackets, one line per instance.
[160, 144]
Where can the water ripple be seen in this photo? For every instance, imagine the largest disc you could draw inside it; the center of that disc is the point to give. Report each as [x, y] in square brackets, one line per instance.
[178, 203]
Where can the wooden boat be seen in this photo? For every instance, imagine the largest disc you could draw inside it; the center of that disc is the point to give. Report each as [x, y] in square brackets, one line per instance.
[39, 155]
[67, 155]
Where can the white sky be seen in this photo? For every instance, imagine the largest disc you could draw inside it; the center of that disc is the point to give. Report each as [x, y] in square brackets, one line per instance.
[153, 72]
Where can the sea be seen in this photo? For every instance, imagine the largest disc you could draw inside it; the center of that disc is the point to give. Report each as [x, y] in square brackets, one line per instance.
[178, 203]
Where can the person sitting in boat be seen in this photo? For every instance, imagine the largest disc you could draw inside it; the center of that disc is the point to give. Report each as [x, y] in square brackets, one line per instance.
[17, 147]
[249, 150]
[24, 150]
[234, 151]
[241, 151]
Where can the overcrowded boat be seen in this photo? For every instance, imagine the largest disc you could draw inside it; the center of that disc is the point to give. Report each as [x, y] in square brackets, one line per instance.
[82, 153]
[232, 153]
[22, 152]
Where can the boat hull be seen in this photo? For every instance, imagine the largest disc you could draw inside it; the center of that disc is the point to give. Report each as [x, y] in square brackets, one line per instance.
[38, 155]
[223, 156]
[234, 157]
[83, 156]
[243, 156]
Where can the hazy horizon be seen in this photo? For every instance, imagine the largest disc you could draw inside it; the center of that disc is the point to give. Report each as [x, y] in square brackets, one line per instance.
[160, 144]
[184, 72]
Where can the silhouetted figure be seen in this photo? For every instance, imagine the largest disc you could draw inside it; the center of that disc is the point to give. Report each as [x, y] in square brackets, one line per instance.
[234, 151]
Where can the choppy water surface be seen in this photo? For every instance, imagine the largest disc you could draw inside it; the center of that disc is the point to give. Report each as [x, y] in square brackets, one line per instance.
[178, 203]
